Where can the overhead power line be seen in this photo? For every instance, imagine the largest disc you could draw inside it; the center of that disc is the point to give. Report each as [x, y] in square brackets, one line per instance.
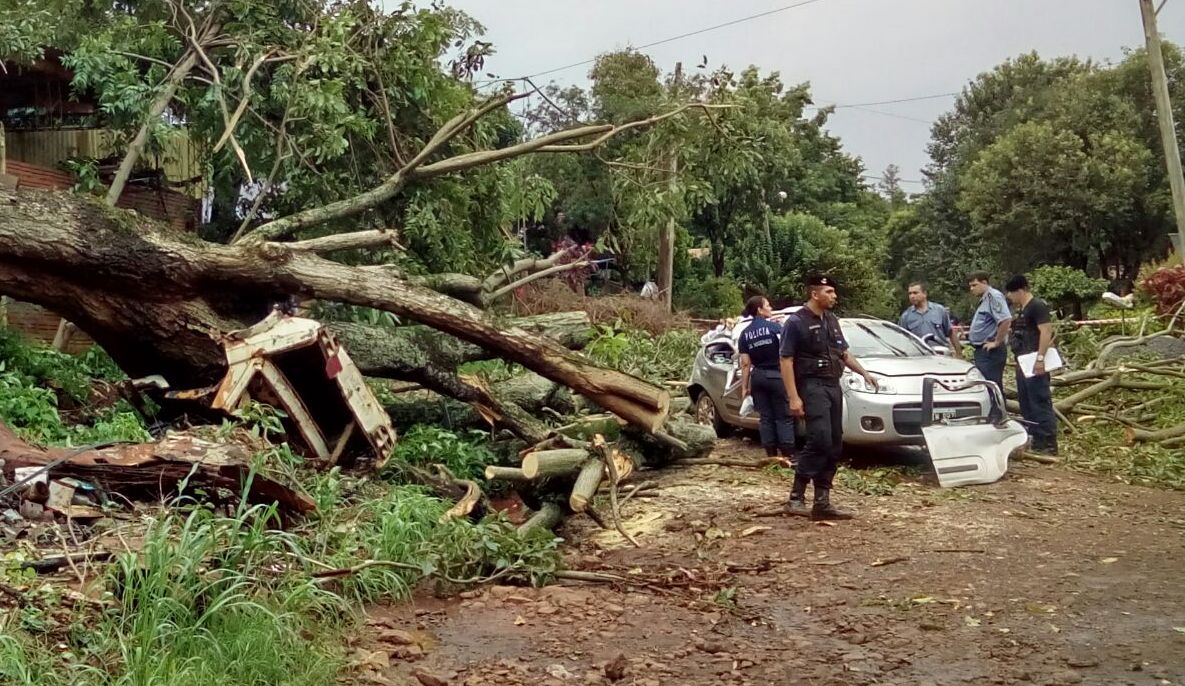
[893, 102]
[664, 41]
[777, 10]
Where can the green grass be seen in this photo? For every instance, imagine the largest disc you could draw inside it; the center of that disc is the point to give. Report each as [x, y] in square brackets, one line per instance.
[235, 600]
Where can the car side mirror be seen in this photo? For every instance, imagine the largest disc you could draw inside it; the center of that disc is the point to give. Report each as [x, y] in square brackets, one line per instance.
[940, 349]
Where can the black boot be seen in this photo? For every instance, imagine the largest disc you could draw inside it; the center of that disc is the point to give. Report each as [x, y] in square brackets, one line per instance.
[797, 505]
[823, 508]
[771, 451]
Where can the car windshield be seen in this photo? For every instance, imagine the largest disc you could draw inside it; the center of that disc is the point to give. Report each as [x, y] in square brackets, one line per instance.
[880, 339]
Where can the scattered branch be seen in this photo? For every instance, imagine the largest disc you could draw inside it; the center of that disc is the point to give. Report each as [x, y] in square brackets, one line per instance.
[347, 241]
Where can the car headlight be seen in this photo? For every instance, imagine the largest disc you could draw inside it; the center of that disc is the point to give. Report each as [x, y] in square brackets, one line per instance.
[855, 382]
[975, 375]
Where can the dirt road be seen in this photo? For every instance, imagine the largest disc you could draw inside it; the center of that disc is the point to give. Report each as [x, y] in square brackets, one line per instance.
[1048, 577]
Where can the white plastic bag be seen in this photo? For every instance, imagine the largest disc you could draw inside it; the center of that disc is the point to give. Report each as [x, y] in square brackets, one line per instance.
[747, 406]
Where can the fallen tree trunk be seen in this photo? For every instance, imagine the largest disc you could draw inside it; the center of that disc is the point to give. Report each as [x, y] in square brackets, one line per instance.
[155, 471]
[384, 351]
[158, 302]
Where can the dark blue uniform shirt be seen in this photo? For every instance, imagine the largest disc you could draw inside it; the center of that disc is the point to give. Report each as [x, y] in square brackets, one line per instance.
[816, 343]
[760, 342]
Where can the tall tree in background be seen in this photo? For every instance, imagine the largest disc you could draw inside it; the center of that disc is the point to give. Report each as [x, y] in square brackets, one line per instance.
[890, 186]
[1043, 162]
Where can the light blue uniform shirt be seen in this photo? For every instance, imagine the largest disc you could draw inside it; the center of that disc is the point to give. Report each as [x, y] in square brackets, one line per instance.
[992, 310]
[935, 320]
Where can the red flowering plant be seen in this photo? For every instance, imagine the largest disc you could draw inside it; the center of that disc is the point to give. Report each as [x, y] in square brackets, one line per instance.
[1166, 287]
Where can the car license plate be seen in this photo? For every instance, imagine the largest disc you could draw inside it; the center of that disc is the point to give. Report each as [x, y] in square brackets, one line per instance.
[940, 415]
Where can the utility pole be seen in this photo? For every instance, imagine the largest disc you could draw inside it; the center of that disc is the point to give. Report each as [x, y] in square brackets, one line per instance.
[666, 235]
[1164, 113]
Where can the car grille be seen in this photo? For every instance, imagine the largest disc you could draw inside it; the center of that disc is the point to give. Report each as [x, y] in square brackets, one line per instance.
[907, 417]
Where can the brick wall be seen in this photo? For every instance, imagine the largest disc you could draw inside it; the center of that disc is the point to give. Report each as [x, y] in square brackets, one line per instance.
[40, 325]
[177, 209]
[32, 176]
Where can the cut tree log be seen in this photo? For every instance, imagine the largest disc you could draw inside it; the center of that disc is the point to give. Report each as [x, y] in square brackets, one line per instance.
[592, 473]
[548, 517]
[547, 463]
[154, 471]
[493, 473]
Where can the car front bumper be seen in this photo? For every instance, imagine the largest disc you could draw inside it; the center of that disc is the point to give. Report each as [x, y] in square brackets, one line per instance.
[881, 418]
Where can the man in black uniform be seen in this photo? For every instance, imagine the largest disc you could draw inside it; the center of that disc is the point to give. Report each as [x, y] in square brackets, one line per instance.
[1032, 332]
[814, 354]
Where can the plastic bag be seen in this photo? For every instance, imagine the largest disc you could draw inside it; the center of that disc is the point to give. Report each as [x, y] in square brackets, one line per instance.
[747, 406]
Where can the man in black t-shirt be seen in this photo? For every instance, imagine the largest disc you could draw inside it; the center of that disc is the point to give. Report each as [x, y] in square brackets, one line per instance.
[1032, 332]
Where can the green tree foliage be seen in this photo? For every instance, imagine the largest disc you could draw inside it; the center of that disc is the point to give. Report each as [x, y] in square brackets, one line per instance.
[325, 100]
[1043, 162]
[750, 158]
[802, 244]
[1070, 290]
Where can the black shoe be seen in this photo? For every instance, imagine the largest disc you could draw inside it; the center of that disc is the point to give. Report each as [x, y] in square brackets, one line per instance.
[797, 506]
[771, 451]
[824, 510]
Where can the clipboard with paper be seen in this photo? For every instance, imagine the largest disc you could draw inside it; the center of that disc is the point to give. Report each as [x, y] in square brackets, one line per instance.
[1053, 362]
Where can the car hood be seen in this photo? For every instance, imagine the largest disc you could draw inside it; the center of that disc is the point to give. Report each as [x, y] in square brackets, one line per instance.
[915, 366]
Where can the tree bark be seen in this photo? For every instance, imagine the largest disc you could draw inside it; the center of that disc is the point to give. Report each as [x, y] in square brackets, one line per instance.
[157, 302]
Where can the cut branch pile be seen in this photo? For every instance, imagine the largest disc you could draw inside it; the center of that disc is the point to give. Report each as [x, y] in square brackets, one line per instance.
[1093, 395]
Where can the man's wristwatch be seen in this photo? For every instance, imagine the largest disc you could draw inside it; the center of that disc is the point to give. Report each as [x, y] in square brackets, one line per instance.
[1040, 358]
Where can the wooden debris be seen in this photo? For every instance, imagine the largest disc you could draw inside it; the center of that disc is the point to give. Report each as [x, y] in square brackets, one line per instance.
[151, 471]
[505, 474]
[467, 503]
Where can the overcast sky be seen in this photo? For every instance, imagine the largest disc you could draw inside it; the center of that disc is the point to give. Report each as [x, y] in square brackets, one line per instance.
[851, 51]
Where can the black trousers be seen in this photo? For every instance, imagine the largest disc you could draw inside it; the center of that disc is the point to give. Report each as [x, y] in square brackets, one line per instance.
[773, 405]
[1036, 406]
[823, 401]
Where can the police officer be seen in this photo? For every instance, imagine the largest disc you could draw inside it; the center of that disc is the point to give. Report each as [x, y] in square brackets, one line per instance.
[762, 378]
[814, 353]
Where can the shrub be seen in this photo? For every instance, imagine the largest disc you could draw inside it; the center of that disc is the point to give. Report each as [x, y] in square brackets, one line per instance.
[713, 298]
[654, 358]
[465, 457]
[1067, 288]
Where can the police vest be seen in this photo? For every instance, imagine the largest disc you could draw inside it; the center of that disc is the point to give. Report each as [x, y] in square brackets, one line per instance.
[820, 348]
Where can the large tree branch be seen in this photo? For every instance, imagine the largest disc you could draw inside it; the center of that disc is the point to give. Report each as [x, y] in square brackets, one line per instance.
[374, 197]
[416, 169]
[155, 110]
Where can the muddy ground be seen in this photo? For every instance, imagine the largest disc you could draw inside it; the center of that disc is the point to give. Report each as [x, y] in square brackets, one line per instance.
[1047, 577]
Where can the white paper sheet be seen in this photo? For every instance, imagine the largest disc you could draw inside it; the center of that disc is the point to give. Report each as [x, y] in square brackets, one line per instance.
[1053, 362]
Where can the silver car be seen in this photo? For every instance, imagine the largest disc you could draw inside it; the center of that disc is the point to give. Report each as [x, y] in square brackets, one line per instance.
[891, 415]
